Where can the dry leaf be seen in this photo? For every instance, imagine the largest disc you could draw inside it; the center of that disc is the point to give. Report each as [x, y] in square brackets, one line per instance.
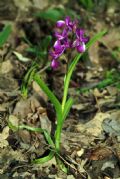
[94, 126]
[100, 153]
[3, 136]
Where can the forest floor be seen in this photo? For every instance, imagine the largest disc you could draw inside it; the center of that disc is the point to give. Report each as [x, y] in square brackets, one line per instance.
[90, 145]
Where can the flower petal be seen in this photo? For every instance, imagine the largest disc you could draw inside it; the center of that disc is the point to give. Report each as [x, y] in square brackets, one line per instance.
[64, 33]
[67, 43]
[53, 54]
[59, 36]
[59, 49]
[85, 39]
[57, 45]
[55, 64]
[79, 33]
[76, 43]
[67, 20]
[60, 24]
[81, 48]
[75, 23]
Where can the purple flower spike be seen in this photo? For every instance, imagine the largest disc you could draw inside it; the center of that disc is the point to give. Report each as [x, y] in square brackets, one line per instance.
[67, 36]
[55, 64]
[60, 24]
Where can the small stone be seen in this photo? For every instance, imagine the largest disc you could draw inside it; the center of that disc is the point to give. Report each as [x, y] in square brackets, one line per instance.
[80, 152]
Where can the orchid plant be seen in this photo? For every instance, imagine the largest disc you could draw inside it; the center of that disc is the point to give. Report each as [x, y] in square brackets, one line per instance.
[68, 36]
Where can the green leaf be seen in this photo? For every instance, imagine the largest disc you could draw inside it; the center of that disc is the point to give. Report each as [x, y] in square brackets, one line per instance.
[13, 123]
[21, 57]
[73, 65]
[55, 14]
[48, 138]
[44, 159]
[27, 80]
[36, 129]
[50, 14]
[88, 4]
[5, 34]
[50, 95]
[46, 41]
[68, 105]
[33, 129]
[61, 164]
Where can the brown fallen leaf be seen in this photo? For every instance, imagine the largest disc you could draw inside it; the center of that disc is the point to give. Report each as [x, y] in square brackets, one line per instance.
[111, 42]
[25, 136]
[100, 153]
[94, 54]
[94, 126]
[26, 106]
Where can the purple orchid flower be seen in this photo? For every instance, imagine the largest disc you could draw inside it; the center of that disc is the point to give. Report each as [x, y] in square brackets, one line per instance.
[58, 47]
[80, 35]
[67, 43]
[80, 42]
[60, 24]
[55, 64]
[56, 53]
[70, 25]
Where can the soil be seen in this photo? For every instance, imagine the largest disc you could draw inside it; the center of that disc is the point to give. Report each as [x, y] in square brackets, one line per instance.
[90, 144]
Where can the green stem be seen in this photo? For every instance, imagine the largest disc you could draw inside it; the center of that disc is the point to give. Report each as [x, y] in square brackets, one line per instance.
[66, 84]
[58, 137]
[65, 93]
[67, 79]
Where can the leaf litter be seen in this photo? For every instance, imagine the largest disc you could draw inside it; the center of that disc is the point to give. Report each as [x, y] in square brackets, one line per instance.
[91, 136]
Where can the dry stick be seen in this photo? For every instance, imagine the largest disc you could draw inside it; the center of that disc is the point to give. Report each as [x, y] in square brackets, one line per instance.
[97, 103]
[66, 161]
